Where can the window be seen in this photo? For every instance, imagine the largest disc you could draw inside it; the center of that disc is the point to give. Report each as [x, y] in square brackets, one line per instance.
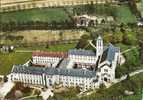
[105, 70]
[99, 70]
[105, 79]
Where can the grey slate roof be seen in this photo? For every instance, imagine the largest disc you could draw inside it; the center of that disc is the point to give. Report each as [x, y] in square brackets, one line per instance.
[53, 71]
[111, 50]
[27, 70]
[64, 63]
[81, 52]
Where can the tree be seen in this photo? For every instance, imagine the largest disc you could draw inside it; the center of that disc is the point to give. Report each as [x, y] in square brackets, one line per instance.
[61, 35]
[102, 86]
[90, 9]
[140, 43]
[141, 51]
[129, 38]
[47, 45]
[83, 41]
[117, 37]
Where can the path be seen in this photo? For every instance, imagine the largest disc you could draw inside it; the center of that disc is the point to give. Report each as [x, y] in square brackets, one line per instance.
[6, 87]
[24, 51]
[25, 98]
[125, 76]
[90, 42]
[1, 76]
[128, 50]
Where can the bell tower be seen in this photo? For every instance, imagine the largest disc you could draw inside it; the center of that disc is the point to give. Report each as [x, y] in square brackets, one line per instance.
[99, 46]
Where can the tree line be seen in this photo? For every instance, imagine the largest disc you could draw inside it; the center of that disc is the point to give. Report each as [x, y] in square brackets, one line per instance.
[36, 25]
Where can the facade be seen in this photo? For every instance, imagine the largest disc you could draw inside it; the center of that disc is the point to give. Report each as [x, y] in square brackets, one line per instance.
[84, 68]
[86, 20]
[6, 49]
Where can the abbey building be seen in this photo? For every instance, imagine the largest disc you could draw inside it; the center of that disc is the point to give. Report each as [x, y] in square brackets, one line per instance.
[86, 69]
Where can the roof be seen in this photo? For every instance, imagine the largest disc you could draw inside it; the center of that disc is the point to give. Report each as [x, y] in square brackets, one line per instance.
[50, 54]
[53, 71]
[99, 38]
[64, 63]
[81, 52]
[27, 70]
[111, 50]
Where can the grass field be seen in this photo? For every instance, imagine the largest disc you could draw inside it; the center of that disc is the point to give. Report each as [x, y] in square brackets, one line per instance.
[59, 47]
[8, 60]
[137, 96]
[121, 12]
[43, 15]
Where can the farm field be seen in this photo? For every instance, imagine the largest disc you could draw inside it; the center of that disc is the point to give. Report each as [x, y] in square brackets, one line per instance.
[43, 15]
[38, 36]
[121, 13]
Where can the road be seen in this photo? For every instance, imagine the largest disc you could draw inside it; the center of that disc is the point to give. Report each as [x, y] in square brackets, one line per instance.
[125, 76]
[13, 5]
[6, 87]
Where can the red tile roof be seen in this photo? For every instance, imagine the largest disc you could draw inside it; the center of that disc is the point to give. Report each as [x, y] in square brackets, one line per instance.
[50, 54]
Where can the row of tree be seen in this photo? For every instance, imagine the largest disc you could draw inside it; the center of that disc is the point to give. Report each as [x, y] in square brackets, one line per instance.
[12, 26]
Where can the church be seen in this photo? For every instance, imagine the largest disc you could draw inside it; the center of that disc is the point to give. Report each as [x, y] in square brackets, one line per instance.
[87, 69]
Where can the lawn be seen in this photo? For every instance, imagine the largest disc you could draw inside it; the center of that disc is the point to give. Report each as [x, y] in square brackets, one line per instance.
[8, 60]
[61, 47]
[58, 47]
[43, 15]
[137, 96]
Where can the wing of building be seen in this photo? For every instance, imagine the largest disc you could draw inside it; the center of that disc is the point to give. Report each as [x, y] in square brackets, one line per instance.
[84, 68]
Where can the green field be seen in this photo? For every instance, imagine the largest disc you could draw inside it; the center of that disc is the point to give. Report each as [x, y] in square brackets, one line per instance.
[137, 96]
[8, 60]
[122, 13]
[58, 47]
[43, 15]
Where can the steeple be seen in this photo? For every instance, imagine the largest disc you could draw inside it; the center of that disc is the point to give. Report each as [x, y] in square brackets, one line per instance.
[99, 46]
